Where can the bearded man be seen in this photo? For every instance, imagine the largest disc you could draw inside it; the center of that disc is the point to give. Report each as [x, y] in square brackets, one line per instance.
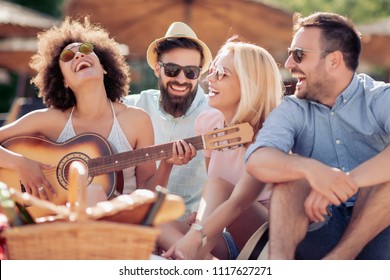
[178, 60]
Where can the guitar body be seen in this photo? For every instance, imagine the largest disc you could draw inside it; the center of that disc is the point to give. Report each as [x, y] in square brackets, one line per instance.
[60, 156]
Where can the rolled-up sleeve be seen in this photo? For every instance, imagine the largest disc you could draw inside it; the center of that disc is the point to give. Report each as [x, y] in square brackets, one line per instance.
[381, 109]
[280, 128]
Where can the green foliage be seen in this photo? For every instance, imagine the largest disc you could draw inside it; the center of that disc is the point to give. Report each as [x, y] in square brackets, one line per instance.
[50, 7]
[7, 93]
[359, 11]
[142, 77]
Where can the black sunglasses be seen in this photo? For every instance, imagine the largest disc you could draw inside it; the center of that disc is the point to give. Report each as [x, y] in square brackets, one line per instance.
[297, 53]
[172, 70]
[68, 54]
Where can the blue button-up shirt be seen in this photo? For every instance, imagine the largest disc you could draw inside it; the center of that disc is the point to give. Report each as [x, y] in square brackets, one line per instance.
[355, 129]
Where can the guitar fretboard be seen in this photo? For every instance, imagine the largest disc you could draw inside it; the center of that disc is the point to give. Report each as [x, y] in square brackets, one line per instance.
[117, 162]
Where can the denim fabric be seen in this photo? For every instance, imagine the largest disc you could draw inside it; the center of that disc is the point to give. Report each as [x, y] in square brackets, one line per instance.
[231, 245]
[321, 239]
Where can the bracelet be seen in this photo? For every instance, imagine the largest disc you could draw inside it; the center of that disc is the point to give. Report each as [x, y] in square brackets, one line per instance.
[199, 228]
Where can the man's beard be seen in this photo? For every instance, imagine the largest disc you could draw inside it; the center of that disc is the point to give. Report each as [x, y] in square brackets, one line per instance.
[317, 88]
[173, 104]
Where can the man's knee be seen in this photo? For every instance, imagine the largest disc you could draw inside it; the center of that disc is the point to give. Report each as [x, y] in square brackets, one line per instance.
[292, 190]
[374, 199]
[378, 248]
[382, 189]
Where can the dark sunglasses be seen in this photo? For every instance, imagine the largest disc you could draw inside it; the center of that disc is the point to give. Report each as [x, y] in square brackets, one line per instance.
[68, 54]
[218, 71]
[297, 53]
[172, 70]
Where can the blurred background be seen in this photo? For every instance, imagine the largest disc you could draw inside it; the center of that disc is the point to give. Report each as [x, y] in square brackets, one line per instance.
[136, 23]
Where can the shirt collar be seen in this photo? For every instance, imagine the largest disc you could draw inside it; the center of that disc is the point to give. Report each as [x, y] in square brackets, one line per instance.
[345, 96]
[350, 90]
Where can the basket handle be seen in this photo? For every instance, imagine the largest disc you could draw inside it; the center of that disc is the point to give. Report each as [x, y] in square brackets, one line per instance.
[149, 218]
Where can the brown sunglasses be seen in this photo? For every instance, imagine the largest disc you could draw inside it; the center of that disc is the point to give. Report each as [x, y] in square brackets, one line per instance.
[68, 54]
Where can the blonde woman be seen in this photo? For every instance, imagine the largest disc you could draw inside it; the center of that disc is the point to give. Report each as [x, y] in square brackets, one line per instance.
[244, 86]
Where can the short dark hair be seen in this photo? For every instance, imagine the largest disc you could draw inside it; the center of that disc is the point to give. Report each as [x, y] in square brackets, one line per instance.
[338, 34]
[179, 42]
[49, 79]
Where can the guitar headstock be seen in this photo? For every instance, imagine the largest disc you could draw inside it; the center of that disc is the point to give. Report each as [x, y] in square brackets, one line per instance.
[228, 137]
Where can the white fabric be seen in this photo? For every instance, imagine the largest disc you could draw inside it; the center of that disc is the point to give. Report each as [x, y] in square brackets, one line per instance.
[118, 142]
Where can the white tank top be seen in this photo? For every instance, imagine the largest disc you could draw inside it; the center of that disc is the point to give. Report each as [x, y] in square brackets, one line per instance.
[118, 142]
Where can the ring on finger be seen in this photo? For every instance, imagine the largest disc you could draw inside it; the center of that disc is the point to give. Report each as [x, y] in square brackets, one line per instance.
[41, 188]
[181, 157]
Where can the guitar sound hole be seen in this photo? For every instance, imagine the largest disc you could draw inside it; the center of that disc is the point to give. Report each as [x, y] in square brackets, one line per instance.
[64, 165]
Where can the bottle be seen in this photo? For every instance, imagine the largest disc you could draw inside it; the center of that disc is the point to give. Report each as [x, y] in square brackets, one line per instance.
[24, 214]
[16, 214]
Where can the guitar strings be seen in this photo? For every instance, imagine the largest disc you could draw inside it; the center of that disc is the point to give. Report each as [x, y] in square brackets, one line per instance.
[115, 162]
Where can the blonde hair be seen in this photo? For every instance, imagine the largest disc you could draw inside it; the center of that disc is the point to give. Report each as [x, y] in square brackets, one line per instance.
[260, 82]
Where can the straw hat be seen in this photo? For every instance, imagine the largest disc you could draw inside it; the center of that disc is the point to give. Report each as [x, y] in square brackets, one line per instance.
[179, 30]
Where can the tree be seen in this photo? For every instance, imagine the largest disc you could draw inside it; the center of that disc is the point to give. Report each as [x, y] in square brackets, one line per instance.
[359, 11]
[50, 7]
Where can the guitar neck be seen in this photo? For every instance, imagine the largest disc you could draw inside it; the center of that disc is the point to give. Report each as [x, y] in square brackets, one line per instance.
[117, 162]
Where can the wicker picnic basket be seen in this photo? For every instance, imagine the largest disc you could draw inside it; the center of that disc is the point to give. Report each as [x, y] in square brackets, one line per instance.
[122, 228]
[87, 240]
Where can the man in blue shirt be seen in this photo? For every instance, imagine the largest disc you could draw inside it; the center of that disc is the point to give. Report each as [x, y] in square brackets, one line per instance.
[326, 150]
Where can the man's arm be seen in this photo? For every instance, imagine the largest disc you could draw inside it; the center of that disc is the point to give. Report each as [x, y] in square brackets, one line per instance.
[273, 166]
[373, 171]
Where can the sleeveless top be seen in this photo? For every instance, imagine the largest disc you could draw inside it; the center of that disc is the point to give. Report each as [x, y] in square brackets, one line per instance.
[118, 142]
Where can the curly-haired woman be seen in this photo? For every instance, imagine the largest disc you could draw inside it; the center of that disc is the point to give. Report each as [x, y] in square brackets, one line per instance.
[82, 78]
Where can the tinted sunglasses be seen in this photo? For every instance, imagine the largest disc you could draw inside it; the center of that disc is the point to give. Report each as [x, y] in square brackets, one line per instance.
[172, 70]
[68, 54]
[218, 71]
[297, 53]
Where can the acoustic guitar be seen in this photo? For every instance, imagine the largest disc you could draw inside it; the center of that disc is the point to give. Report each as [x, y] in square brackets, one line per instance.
[104, 167]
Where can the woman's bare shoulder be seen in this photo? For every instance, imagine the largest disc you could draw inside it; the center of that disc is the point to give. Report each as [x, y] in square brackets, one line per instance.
[126, 111]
